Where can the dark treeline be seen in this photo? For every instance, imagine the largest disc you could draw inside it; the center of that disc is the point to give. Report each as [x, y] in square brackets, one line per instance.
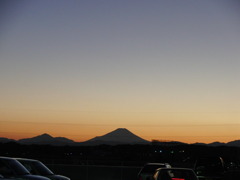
[124, 155]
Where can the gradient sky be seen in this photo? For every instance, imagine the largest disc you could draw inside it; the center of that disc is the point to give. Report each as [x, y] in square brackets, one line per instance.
[166, 70]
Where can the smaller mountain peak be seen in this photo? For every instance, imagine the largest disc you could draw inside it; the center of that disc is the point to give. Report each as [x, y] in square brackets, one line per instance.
[44, 137]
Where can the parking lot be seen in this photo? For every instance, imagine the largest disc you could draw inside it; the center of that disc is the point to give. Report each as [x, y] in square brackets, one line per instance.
[83, 172]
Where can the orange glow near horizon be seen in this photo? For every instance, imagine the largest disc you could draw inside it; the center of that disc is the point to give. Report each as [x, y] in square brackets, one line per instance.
[179, 122]
[82, 132]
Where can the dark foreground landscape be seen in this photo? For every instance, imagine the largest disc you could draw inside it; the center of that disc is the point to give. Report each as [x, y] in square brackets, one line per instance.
[119, 161]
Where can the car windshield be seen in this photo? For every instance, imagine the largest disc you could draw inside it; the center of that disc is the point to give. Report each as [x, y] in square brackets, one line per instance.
[36, 167]
[17, 167]
[41, 168]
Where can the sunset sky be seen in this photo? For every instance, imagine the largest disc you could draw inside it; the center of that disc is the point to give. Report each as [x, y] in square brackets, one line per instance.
[166, 70]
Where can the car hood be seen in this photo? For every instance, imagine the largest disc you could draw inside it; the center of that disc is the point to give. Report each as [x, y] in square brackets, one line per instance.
[57, 177]
[34, 177]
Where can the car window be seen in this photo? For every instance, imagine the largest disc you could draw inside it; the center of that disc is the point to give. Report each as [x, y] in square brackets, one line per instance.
[5, 171]
[14, 167]
[36, 167]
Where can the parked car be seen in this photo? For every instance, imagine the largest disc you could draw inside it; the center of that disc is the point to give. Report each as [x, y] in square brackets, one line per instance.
[209, 167]
[174, 174]
[216, 168]
[38, 168]
[12, 169]
[148, 170]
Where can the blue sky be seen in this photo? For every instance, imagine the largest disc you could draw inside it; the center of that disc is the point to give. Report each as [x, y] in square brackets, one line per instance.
[138, 57]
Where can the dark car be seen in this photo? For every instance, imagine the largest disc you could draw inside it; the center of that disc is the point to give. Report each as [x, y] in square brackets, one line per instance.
[209, 167]
[38, 168]
[174, 174]
[217, 168]
[148, 170]
[12, 169]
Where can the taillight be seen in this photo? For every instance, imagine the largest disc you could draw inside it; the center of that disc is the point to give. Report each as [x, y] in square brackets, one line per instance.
[178, 179]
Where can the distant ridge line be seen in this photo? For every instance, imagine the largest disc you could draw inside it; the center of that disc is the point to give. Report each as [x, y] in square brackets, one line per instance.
[117, 137]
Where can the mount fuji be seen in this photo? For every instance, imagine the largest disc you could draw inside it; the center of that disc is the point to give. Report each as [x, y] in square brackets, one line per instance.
[118, 136]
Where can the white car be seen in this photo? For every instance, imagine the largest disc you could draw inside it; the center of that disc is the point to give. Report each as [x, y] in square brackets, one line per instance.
[148, 170]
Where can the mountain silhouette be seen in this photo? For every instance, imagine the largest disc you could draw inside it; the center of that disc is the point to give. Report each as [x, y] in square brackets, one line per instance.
[234, 143]
[46, 139]
[216, 144]
[6, 140]
[118, 136]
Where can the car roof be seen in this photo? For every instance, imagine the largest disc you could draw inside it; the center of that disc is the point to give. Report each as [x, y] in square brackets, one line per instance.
[186, 169]
[156, 163]
[7, 158]
[25, 159]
